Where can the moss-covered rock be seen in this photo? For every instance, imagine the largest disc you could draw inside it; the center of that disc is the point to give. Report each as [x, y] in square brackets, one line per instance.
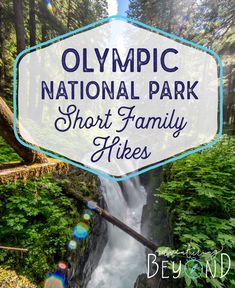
[9, 279]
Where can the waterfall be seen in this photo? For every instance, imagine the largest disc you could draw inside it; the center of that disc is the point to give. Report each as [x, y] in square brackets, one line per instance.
[123, 258]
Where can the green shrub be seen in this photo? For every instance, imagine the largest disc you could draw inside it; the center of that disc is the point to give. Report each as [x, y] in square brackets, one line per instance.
[38, 216]
[7, 154]
[200, 195]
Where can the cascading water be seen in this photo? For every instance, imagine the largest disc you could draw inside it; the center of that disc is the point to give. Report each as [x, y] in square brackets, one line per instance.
[123, 258]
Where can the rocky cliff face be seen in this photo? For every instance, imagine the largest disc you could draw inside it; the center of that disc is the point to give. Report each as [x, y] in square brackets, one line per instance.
[86, 257]
[154, 218]
[154, 226]
[97, 241]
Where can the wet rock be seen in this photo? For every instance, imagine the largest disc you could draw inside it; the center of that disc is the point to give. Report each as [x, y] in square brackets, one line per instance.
[92, 254]
[143, 282]
[85, 258]
[154, 218]
[154, 226]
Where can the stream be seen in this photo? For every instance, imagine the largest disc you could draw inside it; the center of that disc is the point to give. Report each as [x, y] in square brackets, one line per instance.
[123, 258]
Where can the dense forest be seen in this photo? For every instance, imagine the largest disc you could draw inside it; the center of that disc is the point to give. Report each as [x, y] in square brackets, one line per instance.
[198, 191]
[26, 23]
[206, 22]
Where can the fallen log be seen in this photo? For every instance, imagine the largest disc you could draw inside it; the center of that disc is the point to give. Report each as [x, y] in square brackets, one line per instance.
[7, 132]
[13, 248]
[13, 171]
[115, 221]
[34, 164]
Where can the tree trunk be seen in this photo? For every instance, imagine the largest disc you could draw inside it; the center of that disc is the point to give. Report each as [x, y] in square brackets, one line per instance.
[44, 31]
[19, 25]
[115, 221]
[32, 23]
[2, 74]
[121, 225]
[50, 19]
[13, 248]
[69, 14]
[6, 128]
[171, 7]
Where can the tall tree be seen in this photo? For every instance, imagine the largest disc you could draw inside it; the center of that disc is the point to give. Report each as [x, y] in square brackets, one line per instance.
[51, 21]
[69, 14]
[19, 25]
[6, 116]
[2, 74]
[32, 23]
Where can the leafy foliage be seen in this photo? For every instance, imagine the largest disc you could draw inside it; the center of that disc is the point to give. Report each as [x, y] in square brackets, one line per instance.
[200, 193]
[38, 216]
[7, 153]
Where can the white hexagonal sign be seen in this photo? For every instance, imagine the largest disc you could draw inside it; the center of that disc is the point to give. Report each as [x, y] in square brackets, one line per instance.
[118, 97]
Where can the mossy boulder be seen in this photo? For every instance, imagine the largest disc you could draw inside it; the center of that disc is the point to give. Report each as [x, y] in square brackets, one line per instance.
[9, 279]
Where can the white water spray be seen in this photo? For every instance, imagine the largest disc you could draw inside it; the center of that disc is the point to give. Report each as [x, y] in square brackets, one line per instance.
[123, 258]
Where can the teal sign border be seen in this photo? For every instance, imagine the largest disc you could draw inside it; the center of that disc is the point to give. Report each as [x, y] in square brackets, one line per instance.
[140, 24]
